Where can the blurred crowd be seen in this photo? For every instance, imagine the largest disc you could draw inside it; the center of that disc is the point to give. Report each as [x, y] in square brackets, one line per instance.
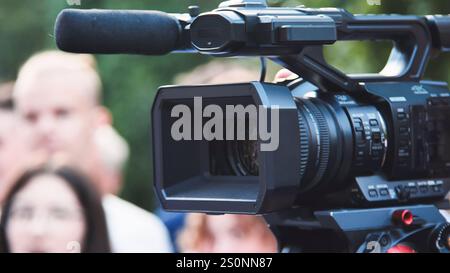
[62, 164]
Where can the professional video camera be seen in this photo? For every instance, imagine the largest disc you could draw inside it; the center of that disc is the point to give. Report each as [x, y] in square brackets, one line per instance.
[361, 160]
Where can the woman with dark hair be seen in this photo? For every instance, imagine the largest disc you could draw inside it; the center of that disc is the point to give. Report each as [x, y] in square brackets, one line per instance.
[53, 211]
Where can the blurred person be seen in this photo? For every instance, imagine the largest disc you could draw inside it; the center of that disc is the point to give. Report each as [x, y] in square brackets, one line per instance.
[58, 97]
[219, 72]
[111, 152]
[50, 211]
[109, 159]
[6, 92]
[14, 148]
[284, 75]
[227, 233]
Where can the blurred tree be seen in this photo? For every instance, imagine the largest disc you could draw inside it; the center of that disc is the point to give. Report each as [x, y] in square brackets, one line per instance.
[130, 82]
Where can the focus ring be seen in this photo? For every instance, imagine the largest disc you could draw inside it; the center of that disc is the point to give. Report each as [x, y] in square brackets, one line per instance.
[304, 142]
[324, 137]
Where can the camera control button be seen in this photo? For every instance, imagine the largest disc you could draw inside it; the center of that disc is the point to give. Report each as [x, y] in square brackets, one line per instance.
[359, 126]
[360, 136]
[403, 193]
[437, 188]
[376, 137]
[384, 192]
[373, 122]
[373, 193]
[423, 189]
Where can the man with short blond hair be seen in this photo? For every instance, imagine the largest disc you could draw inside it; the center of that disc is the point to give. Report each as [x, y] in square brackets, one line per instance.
[58, 97]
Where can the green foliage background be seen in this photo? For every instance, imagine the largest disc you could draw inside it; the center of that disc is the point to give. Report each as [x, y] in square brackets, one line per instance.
[130, 82]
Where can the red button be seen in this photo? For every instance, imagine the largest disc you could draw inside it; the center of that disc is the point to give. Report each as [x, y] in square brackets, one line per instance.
[403, 217]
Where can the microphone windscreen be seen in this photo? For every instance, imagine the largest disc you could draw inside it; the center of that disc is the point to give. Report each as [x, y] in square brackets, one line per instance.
[116, 31]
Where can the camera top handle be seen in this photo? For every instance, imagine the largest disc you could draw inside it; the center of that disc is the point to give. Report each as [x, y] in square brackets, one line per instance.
[414, 37]
[414, 40]
[412, 48]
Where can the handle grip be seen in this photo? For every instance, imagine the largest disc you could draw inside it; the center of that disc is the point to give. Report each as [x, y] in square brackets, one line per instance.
[440, 26]
[412, 49]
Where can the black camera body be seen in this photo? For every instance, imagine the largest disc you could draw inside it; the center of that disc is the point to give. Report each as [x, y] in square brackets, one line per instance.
[361, 141]
[358, 158]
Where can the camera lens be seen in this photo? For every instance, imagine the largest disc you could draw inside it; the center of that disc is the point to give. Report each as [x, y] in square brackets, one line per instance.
[335, 142]
[320, 142]
[328, 139]
[243, 157]
[248, 154]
